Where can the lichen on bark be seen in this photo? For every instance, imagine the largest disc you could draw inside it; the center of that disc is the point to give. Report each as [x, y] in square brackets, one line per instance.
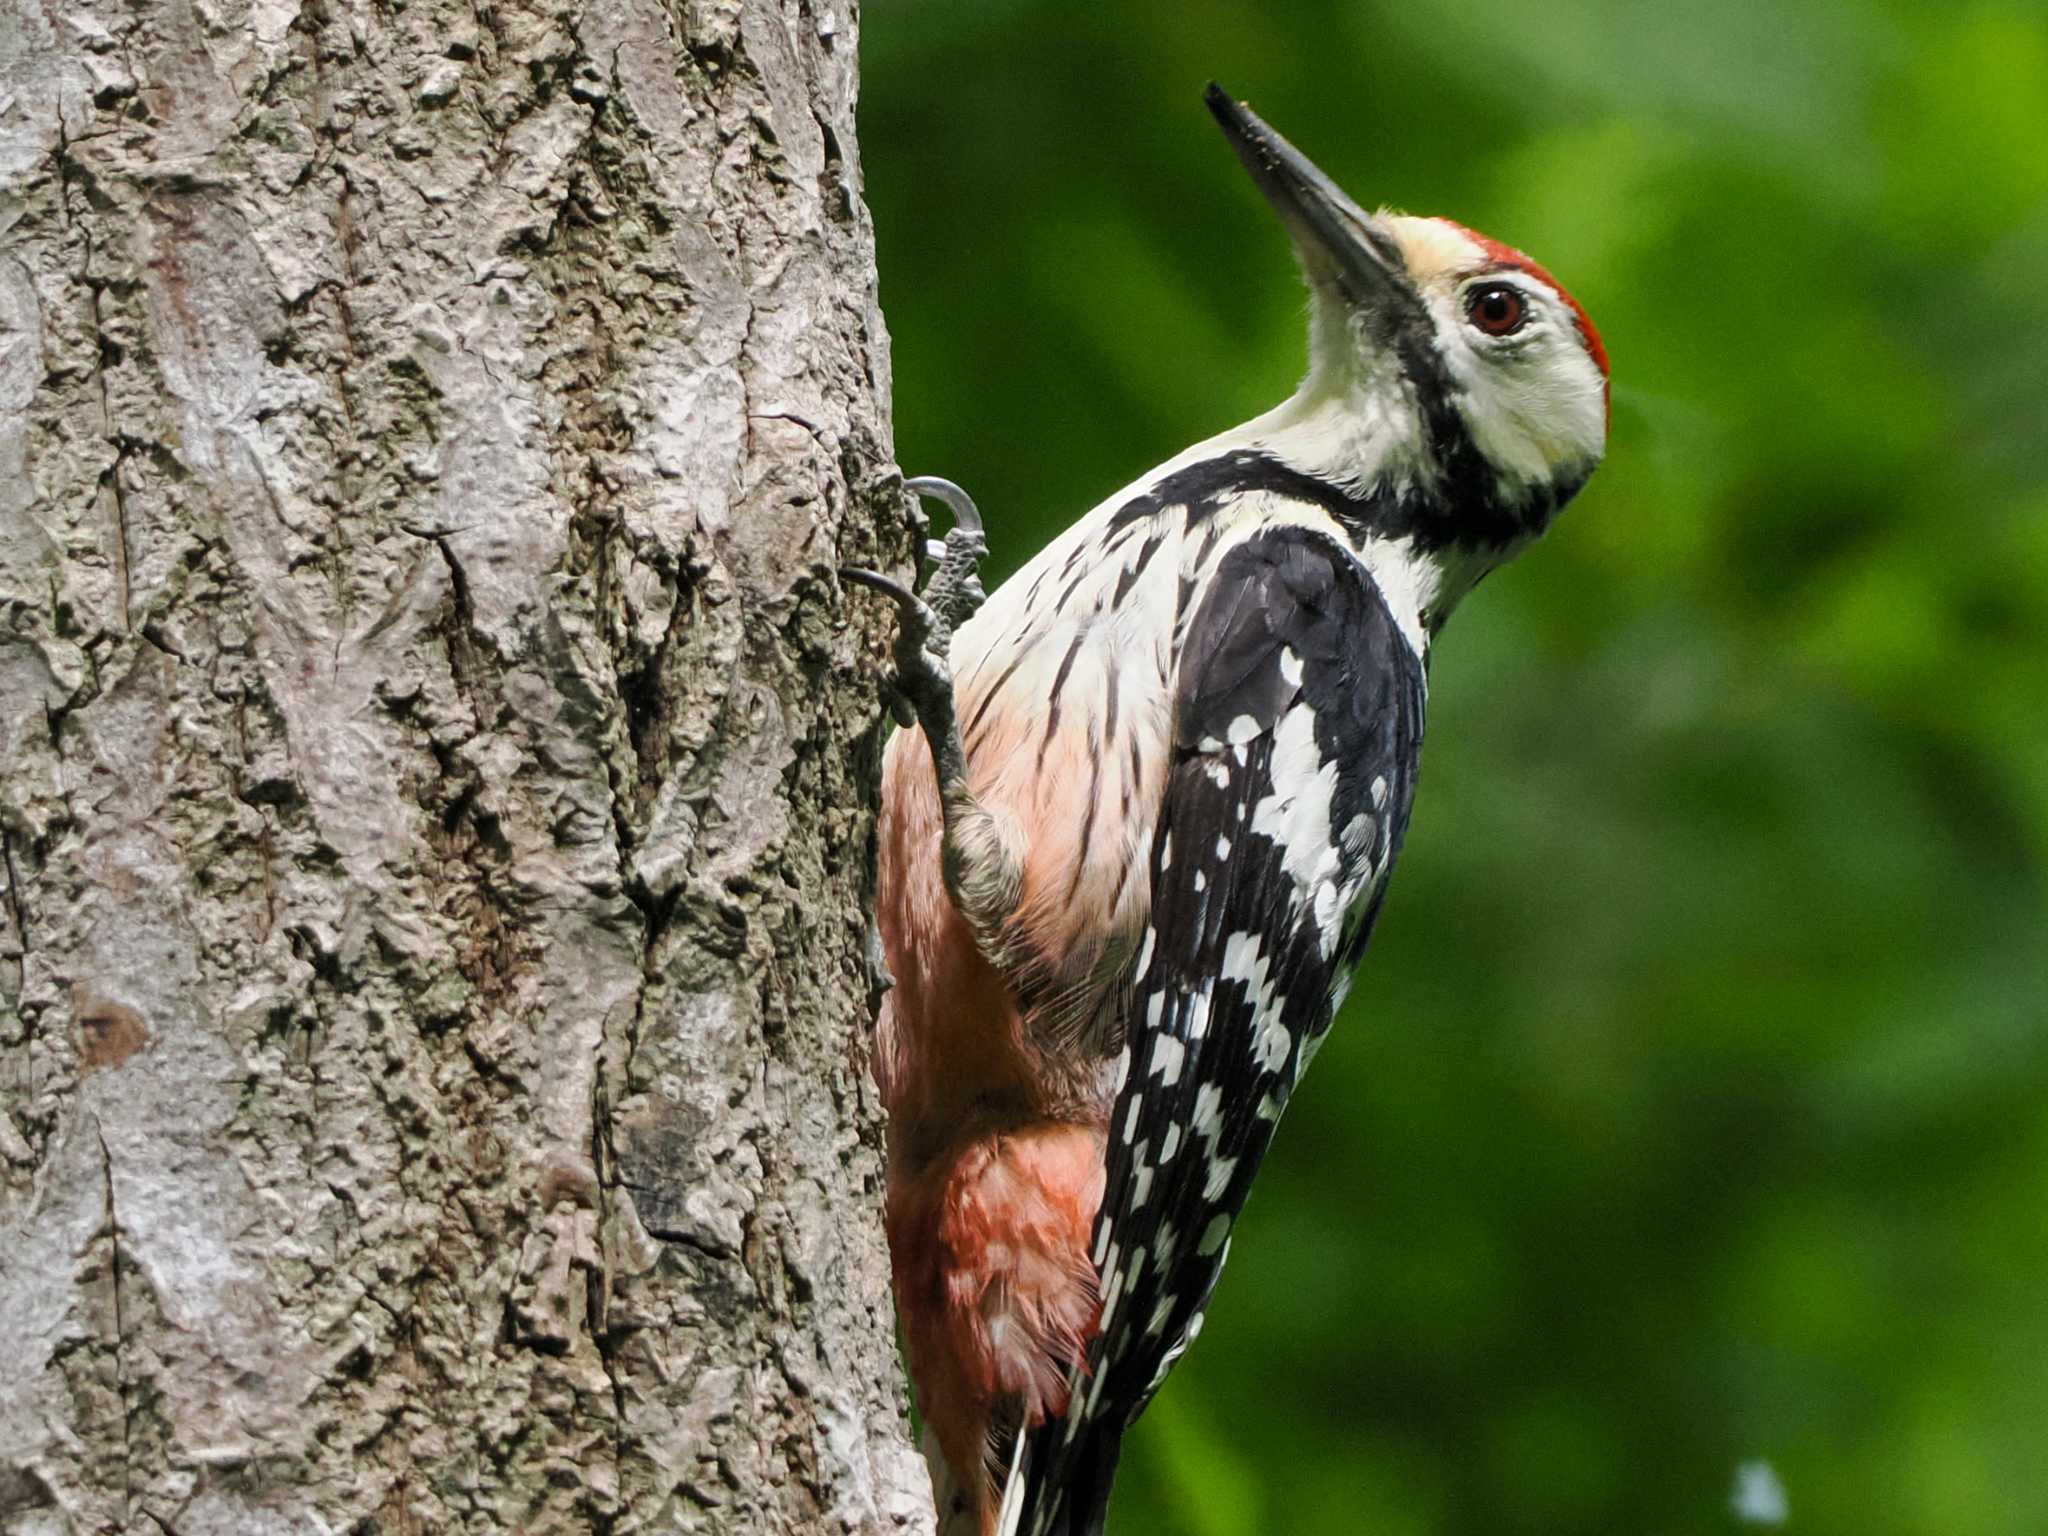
[434, 764]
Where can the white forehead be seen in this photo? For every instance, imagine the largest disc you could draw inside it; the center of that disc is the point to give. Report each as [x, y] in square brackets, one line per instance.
[1435, 249]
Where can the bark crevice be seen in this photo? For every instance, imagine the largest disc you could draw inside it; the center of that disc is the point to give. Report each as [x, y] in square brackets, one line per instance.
[119, 1347]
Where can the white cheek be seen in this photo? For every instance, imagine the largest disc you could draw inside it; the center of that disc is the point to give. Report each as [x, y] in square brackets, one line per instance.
[1536, 413]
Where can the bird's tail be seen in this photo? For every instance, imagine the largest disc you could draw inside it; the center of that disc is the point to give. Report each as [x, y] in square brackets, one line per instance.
[1058, 1487]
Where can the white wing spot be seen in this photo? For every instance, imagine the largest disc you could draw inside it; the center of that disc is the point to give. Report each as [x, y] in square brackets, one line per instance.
[1167, 1056]
[1116, 1284]
[1208, 1116]
[1290, 667]
[1213, 1237]
[1222, 847]
[1329, 915]
[1242, 729]
[1170, 1144]
[1296, 815]
[1220, 1172]
[1244, 960]
[1131, 1119]
[1075, 1420]
[1379, 792]
[1272, 1045]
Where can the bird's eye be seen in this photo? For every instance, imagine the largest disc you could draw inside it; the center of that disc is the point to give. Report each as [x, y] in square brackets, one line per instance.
[1498, 309]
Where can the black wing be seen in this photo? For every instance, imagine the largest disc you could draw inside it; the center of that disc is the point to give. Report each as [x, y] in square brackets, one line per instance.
[1298, 716]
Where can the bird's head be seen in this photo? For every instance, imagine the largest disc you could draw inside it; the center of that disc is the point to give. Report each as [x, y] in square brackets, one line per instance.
[1452, 372]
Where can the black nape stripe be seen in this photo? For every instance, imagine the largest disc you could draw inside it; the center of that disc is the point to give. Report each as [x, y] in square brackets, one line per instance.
[1463, 508]
[1203, 487]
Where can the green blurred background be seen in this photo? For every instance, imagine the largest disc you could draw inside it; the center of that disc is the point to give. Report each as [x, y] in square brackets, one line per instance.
[1693, 1104]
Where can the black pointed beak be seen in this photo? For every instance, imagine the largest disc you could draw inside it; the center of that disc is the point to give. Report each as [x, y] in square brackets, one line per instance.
[1339, 241]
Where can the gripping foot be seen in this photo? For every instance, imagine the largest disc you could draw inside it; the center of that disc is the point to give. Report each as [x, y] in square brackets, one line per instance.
[955, 588]
[981, 874]
[924, 675]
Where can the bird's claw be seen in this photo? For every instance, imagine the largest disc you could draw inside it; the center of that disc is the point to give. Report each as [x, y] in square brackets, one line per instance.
[919, 667]
[955, 587]
[924, 679]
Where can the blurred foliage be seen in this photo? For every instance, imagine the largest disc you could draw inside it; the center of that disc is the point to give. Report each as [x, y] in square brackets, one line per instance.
[1693, 1104]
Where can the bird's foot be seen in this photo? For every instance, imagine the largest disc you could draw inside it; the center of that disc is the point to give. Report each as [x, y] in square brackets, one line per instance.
[955, 588]
[981, 870]
[924, 640]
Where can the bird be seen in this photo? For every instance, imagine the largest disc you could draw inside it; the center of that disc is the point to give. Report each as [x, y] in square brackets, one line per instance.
[1140, 826]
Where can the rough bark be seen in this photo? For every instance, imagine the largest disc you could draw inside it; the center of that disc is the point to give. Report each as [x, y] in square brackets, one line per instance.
[434, 758]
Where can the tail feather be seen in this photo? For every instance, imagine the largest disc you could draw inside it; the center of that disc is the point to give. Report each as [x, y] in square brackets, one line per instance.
[1012, 1510]
[1061, 1489]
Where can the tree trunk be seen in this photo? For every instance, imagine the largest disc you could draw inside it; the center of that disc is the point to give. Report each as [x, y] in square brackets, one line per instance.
[435, 769]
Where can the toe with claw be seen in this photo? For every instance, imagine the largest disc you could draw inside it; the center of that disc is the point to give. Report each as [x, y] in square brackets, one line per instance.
[981, 871]
[955, 588]
[925, 639]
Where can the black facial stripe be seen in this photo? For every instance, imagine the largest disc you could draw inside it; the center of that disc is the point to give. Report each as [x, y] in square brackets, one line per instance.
[1462, 508]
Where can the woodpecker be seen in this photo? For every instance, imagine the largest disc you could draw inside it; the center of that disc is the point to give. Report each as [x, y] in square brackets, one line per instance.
[1138, 839]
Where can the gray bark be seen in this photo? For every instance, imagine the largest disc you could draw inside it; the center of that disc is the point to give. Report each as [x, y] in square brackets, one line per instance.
[434, 770]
